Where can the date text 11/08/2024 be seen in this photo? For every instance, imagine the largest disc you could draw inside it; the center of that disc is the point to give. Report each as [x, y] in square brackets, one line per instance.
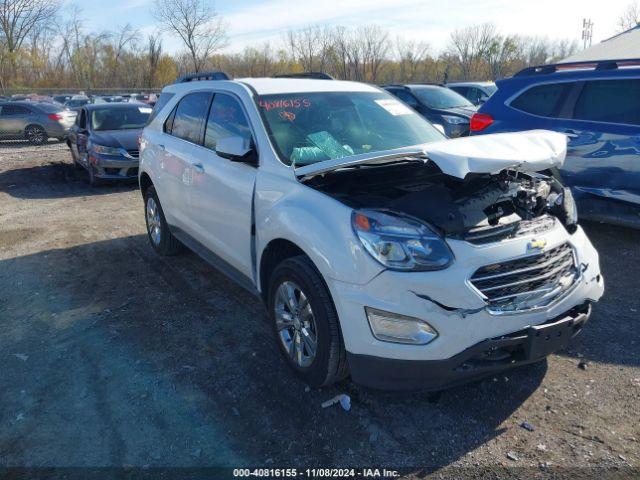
[316, 472]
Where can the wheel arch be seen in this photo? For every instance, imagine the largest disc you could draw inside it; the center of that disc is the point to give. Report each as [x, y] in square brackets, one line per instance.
[275, 252]
[145, 182]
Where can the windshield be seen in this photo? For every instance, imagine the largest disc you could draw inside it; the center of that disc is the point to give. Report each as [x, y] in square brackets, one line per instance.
[77, 103]
[307, 128]
[119, 118]
[440, 97]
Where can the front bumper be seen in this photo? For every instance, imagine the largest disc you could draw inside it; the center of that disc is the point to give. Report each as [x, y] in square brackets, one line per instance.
[480, 360]
[448, 301]
[114, 168]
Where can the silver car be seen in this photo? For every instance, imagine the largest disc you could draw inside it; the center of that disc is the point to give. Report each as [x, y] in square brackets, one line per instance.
[34, 121]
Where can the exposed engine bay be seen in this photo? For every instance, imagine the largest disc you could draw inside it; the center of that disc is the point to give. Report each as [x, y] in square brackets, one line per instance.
[480, 206]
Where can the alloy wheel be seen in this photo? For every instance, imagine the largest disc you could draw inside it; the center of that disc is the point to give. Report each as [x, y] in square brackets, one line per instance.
[36, 135]
[295, 324]
[154, 225]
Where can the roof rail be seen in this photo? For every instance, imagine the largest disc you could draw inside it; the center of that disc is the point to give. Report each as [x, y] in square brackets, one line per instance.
[194, 77]
[310, 75]
[595, 64]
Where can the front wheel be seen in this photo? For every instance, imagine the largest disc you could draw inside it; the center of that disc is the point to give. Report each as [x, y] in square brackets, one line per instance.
[306, 323]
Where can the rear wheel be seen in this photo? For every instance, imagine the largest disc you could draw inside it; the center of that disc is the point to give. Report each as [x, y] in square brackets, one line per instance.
[306, 323]
[35, 134]
[161, 239]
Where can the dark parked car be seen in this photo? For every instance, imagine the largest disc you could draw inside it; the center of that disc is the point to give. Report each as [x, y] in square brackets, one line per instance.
[597, 105]
[476, 92]
[62, 99]
[34, 121]
[104, 140]
[77, 102]
[438, 104]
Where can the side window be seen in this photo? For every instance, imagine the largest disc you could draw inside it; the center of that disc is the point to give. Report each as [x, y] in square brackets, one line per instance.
[615, 101]
[461, 90]
[473, 95]
[160, 103]
[543, 100]
[226, 119]
[190, 116]
[406, 97]
[14, 110]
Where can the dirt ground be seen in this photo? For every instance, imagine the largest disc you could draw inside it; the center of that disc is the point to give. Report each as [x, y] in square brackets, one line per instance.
[112, 356]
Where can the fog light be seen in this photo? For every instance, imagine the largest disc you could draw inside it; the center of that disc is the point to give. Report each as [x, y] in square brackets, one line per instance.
[392, 327]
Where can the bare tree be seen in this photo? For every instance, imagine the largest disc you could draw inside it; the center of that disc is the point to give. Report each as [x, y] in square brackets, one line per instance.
[411, 56]
[154, 52]
[311, 47]
[198, 25]
[630, 17]
[500, 53]
[470, 45]
[19, 19]
[124, 37]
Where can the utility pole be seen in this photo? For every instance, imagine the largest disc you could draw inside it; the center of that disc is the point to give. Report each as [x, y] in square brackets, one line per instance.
[587, 32]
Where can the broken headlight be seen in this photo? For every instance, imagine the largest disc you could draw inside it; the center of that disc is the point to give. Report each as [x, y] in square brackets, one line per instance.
[399, 242]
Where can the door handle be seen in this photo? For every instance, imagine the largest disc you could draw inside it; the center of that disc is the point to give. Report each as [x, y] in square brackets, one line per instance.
[198, 167]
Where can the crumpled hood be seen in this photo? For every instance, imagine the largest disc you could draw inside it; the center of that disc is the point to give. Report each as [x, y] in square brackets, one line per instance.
[530, 151]
[127, 139]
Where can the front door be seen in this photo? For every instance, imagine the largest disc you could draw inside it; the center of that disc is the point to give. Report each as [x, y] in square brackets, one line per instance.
[222, 190]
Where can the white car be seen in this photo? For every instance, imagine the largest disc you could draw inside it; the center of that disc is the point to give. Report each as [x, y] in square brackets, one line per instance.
[380, 249]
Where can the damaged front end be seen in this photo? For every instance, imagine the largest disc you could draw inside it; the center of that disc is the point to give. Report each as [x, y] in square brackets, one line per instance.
[480, 208]
[471, 205]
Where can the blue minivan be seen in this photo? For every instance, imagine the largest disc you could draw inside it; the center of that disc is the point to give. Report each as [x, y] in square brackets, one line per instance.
[597, 105]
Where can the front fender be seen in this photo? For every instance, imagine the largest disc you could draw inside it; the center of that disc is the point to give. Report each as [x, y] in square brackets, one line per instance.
[318, 224]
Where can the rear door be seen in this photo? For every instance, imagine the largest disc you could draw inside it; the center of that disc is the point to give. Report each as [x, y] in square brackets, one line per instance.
[183, 130]
[14, 119]
[222, 190]
[603, 158]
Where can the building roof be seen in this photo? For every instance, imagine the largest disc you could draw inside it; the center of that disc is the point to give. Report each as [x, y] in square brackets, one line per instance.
[623, 45]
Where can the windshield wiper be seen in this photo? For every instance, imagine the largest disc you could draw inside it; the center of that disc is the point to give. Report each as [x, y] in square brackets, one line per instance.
[387, 157]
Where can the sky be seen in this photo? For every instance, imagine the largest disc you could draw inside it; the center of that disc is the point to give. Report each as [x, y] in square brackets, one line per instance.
[252, 22]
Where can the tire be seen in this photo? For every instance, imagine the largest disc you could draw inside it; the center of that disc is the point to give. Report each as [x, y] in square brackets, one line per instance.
[329, 364]
[36, 135]
[162, 241]
[92, 179]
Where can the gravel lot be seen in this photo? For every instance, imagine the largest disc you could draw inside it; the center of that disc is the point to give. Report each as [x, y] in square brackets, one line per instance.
[112, 356]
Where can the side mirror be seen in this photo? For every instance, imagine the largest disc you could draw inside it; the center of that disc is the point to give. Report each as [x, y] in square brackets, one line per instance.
[236, 149]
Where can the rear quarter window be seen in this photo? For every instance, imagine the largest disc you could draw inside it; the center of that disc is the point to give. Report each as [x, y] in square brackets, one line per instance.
[542, 100]
[190, 117]
[162, 101]
[613, 101]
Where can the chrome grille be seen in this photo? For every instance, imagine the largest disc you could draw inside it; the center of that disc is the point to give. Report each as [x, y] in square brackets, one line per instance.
[133, 153]
[535, 226]
[528, 282]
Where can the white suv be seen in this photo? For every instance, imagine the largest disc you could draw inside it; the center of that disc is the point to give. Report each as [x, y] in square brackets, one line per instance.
[380, 249]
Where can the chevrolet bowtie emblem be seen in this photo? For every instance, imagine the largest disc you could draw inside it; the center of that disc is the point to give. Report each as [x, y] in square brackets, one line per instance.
[536, 246]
